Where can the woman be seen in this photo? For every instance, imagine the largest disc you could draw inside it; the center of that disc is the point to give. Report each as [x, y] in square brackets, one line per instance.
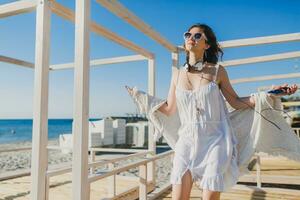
[201, 152]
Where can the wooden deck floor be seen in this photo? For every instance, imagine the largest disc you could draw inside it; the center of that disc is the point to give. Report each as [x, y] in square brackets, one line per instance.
[60, 187]
[18, 188]
[270, 166]
[242, 192]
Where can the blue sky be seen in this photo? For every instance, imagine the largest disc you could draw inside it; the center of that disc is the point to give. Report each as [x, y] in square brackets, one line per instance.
[231, 19]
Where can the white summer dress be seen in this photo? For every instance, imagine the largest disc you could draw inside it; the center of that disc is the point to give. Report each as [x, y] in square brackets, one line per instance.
[206, 144]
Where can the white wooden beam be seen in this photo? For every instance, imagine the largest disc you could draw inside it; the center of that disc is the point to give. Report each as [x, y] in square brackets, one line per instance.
[80, 184]
[151, 141]
[17, 7]
[143, 182]
[260, 59]
[103, 61]
[266, 87]
[39, 156]
[15, 61]
[122, 12]
[261, 40]
[112, 181]
[265, 78]
[175, 59]
[258, 40]
[68, 14]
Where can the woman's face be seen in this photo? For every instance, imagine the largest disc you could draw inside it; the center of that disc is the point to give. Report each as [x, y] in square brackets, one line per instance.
[195, 45]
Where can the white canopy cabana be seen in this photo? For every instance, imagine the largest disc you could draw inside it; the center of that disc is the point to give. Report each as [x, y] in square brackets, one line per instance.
[81, 17]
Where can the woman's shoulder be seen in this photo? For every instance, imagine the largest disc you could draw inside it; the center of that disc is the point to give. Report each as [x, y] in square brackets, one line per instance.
[178, 69]
[176, 72]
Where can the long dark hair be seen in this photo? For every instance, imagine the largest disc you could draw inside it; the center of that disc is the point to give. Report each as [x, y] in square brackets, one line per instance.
[211, 54]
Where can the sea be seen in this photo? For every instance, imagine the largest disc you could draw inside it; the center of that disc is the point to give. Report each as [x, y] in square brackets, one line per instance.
[20, 130]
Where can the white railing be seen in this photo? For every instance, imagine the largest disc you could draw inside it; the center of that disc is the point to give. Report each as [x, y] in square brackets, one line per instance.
[297, 132]
[43, 10]
[142, 164]
[143, 192]
[258, 163]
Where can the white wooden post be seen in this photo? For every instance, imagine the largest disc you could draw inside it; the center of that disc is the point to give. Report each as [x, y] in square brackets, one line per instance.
[17, 7]
[175, 59]
[112, 181]
[175, 63]
[80, 184]
[39, 157]
[47, 188]
[92, 159]
[151, 142]
[143, 182]
[258, 171]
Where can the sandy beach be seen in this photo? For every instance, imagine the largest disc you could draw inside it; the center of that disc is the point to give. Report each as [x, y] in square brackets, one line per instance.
[12, 161]
[21, 160]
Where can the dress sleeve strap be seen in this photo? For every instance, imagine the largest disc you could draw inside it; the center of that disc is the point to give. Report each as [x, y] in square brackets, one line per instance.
[216, 73]
[178, 72]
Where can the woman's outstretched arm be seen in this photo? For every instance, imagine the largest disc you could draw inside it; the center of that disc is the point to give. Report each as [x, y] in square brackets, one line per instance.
[243, 102]
[169, 108]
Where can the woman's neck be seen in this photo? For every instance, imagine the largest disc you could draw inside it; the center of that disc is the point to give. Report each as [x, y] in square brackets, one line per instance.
[195, 57]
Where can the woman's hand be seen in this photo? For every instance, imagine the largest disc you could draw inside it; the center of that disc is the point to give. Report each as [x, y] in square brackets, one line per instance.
[290, 90]
[129, 90]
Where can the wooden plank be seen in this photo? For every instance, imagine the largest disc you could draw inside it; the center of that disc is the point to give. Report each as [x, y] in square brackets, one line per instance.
[122, 12]
[265, 78]
[259, 59]
[15, 61]
[117, 170]
[80, 184]
[112, 182]
[68, 14]
[258, 40]
[151, 141]
[97, 163]
[261, 40]
[258, 172]
[15, 149]
[17, 7]
[92, 160]
[120, 150]
[103, 61]
[267, 87]
[14, 174]
[143, 182]
[175, 59]
[39, 158]
[243, 192]
[276, 179]
[160, 191]
[60, 188]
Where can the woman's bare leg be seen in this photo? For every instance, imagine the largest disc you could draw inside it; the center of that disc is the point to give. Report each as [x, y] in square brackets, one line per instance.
[210, 195]
[182, 191]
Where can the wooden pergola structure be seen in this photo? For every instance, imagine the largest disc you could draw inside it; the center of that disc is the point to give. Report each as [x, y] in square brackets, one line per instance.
[83, 26]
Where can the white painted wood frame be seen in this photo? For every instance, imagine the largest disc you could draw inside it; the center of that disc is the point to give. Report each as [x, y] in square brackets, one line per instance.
[143, 182]
[15, 61]
[17, 7]
[151, 142]
[267, 87]
[68, 14]
[291, 37]
[265, 78]
[126, 15]
[39, 156]
[101, 62]
[260, 59]
[80, 184]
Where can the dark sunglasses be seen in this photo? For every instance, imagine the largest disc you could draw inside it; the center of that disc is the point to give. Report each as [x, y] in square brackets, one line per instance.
[196, 36]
